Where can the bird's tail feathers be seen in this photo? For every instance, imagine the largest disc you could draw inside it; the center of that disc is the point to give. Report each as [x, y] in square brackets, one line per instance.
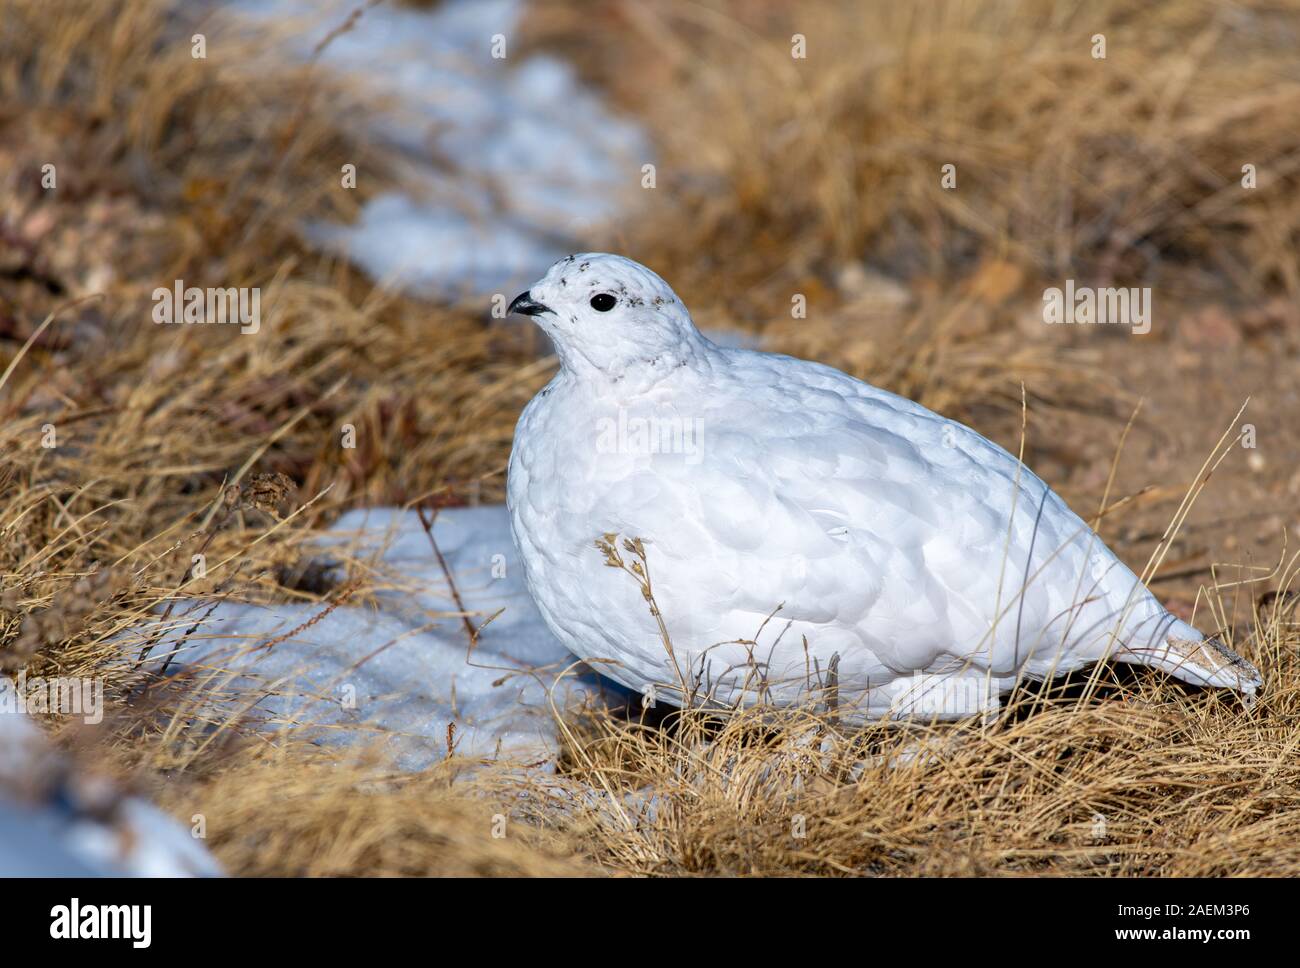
[1190, 655]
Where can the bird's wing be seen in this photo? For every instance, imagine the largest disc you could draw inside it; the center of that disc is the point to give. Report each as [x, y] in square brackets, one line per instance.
[855, 509]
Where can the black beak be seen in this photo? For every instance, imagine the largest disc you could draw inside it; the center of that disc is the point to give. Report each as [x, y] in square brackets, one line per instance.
[525, 305]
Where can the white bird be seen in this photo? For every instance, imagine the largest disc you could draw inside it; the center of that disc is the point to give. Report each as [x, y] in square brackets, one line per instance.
[790, 534]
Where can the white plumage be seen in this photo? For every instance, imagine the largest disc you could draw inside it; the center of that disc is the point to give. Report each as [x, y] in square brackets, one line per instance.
[808, 537]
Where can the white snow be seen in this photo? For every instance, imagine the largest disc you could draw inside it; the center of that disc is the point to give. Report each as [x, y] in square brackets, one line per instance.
[57, 820]
[511, 161]
[401, 671]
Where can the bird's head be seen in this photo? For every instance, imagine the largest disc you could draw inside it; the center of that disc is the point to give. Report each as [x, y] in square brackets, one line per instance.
[607, 314]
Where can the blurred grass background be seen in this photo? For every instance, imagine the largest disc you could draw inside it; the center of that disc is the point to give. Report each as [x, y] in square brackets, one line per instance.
[775, 176]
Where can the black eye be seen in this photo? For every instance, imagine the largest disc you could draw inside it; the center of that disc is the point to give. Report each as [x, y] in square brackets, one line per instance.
[603, 302]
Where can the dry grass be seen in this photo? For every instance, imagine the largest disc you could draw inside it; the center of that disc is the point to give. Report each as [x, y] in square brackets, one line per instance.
[1144, 780]
[776, 177]
[296, 812]
[783, 170]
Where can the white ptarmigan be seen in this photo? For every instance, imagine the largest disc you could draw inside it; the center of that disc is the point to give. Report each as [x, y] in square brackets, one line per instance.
[808, 537]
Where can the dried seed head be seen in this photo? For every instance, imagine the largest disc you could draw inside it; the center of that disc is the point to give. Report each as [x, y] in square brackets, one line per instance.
[268, 492]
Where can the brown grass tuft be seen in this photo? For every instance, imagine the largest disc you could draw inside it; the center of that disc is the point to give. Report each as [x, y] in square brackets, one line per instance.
[302, 813]
[777, 171]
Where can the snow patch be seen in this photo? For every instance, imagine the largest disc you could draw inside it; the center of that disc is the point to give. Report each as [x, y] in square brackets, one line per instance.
[57, 820]
[512, 161]
[403, 671]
